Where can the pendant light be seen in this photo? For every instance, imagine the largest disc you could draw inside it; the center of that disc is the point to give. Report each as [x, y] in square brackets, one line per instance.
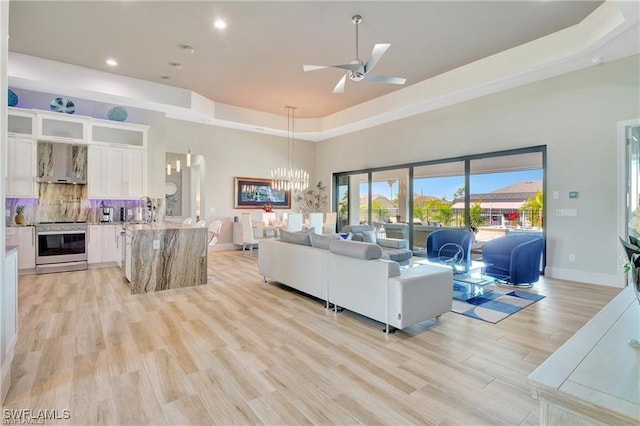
[178, 164]
[168, 169]
[189, 157]
[289, 178]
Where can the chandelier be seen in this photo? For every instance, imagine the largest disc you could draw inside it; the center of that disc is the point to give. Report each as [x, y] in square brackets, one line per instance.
[290, 178]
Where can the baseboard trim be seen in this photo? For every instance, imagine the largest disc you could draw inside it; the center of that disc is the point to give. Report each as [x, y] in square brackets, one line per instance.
[609, 280]
[225, 246]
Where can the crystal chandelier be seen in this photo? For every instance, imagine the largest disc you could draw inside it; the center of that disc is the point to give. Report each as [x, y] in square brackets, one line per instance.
[290, 178]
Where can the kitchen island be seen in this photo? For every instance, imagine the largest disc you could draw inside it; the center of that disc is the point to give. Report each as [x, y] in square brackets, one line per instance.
[164, 255]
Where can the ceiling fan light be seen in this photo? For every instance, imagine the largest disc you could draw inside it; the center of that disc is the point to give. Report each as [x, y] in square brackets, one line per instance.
[356, 75]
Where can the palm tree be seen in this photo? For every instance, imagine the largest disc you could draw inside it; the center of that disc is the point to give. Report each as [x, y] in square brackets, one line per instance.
[535, 205]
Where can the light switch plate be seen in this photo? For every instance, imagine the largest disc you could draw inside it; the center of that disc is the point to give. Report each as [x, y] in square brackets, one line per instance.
[156, 244]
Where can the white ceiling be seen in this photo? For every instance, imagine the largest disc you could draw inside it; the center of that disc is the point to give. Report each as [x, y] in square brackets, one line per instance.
[256, 63]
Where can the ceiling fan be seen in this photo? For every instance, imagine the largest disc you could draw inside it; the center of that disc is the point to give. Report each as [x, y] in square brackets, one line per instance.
[358, 70]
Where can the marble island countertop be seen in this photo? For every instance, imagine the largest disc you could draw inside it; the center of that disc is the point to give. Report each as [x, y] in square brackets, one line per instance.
[156, 226]
[165, 255]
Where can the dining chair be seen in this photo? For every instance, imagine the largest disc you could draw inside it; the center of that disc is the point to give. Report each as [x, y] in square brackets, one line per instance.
[294, 222]
[248, 239]
[214, 232]
[315, 222]
[329, 226]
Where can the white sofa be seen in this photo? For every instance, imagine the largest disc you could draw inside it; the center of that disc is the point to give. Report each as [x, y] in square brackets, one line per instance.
[301, 267]
[351, 275]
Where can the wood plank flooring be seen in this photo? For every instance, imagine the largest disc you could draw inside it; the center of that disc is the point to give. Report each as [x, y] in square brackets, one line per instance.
[237, 351]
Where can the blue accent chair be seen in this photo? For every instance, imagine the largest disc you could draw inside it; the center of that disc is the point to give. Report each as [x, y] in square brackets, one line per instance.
[514, 258]
[445, 244]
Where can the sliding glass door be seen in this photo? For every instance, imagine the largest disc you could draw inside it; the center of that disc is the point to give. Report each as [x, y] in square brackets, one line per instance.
[436, 188]
[506, 195]
[492, 194]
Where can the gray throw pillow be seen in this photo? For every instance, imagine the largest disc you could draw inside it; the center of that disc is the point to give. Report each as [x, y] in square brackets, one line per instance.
[323, 241]
[356, 249]
[300, 237]
[369, 236]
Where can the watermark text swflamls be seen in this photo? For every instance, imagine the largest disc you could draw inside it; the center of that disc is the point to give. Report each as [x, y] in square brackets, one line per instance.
[27, 416]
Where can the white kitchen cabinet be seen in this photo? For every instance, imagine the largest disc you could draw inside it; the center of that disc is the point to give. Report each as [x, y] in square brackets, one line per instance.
[26, 247]
[25, 238]
[136, 173]
[104, 245]
[60, 127]
[126, 134]
[116, 172]
[21, 168]
[21, 123]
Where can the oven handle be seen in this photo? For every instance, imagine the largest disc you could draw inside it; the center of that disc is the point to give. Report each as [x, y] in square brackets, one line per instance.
[61, 232]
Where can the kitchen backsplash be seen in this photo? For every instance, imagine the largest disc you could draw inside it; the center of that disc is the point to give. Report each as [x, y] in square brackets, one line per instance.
[65, 203]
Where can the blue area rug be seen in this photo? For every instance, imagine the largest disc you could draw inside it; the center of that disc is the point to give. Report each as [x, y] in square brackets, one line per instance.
[496, 306]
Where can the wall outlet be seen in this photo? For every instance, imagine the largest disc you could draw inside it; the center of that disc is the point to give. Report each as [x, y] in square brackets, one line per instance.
[556, 195]
[156, 244]
[572, 257]
[212, 209]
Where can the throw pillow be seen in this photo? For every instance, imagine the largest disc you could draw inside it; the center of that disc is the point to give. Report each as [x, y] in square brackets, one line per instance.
[356, 249]
[323, 241]
[369, 237]
[345, 236]
[300, 237]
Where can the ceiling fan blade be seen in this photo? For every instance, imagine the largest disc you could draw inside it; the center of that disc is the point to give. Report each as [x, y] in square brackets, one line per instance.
[377, 52]
[340, 86]
[384, 79]
[350, 67]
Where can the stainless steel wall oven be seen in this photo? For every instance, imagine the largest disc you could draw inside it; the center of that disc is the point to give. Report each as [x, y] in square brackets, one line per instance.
[61, 247]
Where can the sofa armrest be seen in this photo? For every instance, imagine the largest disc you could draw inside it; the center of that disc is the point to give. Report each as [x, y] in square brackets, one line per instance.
[393, 243]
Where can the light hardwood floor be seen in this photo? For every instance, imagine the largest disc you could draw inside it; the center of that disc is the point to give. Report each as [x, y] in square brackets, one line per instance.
[237, 351]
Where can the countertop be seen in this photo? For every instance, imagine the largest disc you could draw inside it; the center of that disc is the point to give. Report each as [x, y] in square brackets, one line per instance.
[158, 226]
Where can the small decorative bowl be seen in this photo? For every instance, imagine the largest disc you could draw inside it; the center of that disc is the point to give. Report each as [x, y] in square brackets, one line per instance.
[117, 113]
[63, 105]
[12, 98]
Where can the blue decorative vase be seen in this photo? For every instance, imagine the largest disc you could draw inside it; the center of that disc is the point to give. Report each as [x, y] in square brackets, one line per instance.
[12, 98]
[63, 105]
[117, 113]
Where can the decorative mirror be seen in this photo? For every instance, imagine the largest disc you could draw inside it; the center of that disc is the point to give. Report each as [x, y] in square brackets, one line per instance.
[184, 175]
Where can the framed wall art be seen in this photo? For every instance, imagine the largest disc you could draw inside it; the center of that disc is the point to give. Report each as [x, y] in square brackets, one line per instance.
[255, 193]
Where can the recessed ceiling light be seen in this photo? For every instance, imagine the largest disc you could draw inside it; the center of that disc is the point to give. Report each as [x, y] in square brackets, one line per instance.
[220, 24]
[187, 48]
[176, 65]
[165, 77]
[111, 62]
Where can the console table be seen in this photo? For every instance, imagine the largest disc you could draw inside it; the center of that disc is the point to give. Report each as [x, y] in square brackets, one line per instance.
[594, 378]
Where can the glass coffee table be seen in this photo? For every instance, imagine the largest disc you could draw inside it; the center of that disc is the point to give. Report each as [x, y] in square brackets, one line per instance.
[467, 283]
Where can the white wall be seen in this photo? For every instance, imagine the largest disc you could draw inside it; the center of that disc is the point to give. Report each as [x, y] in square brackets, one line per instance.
[575, 115]
[228, 153]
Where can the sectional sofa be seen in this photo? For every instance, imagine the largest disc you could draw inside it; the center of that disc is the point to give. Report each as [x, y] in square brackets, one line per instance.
[352, 275]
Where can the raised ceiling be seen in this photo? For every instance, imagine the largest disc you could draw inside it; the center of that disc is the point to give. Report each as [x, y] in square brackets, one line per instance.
[256, 63]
